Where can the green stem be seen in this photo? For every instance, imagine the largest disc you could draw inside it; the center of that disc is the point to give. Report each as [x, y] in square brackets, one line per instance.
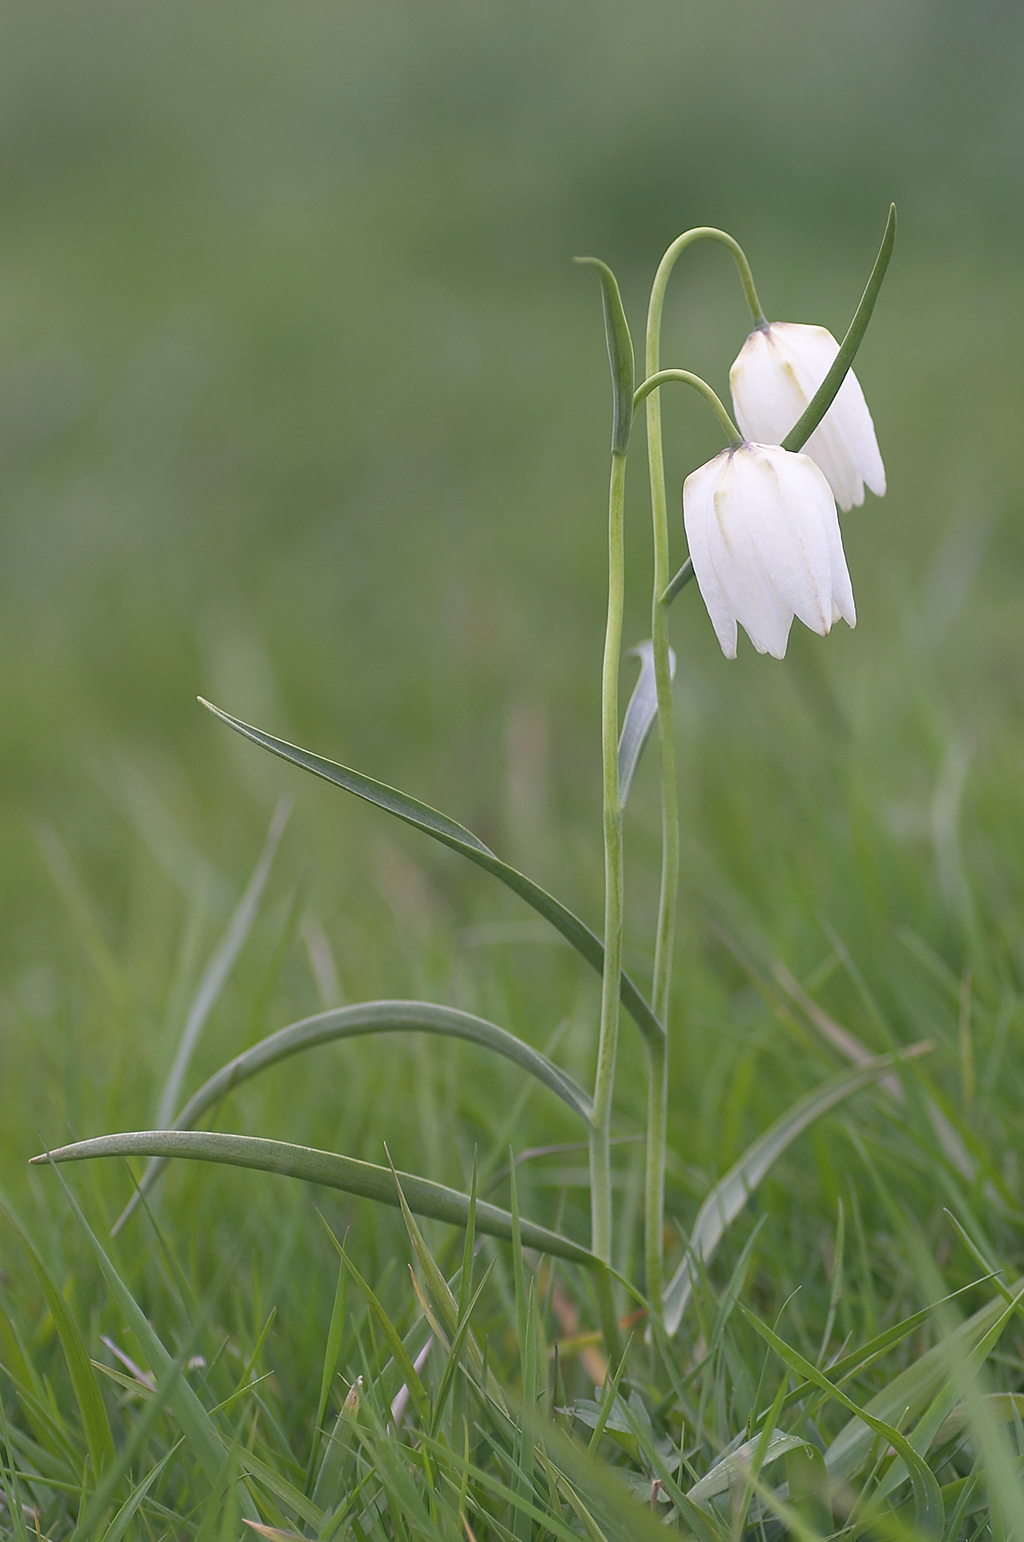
[654, 1177]
[654, 1186]
[600, 1156]
[664, 376]
[679, 245]
[680, 581]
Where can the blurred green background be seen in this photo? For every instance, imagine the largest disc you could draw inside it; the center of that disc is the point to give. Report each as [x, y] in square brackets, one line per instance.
[304, 407]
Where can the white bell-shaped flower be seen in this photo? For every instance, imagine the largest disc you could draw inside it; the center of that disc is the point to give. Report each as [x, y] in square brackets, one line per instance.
[764, 539]
[776, 373]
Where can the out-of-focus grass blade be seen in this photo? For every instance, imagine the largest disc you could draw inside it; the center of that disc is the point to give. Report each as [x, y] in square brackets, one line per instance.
[220, 966]
[1002, 1405]
[399, 1353]
[459, 839]
[76, 903]
[640, 716]
[123, 1519]
[365, 1179]
[929, 1513]
[350, 1022]
[330, 1366]
[197, 1426]
[731, 1193]
[83, 1377]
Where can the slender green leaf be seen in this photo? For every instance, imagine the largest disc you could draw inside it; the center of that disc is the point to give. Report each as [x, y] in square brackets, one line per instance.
[123, 1519]
[220, 966]
[731, 1193]
[324, 1167]
[620, 353]
[352, 1022]
[825, 395]
[640, 717]
[83, 1378]
[459, 839]
[330, 1367]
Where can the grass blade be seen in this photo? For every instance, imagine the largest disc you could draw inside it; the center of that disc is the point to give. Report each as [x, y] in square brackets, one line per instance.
[928, 1506]
[83, 1378]
[459, 839]
[220, 966]
[365, 1179]
[731, 1193]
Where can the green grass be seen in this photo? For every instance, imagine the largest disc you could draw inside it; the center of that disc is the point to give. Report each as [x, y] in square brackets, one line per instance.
[304, 408]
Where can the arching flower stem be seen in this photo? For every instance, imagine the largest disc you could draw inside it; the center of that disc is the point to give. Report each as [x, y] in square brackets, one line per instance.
[657, 1092]
[685, 377]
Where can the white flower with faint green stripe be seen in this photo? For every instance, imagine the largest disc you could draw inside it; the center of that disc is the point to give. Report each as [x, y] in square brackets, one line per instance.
[764, 539]
[776, 373]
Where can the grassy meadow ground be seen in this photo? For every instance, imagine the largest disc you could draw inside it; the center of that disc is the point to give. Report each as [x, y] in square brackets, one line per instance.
[304, 408]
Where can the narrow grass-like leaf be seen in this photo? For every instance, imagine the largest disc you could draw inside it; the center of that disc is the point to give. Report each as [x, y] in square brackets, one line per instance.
[731, 1193]
[330, 1366]
[823, 398]
[928, 1506]
[199, 1429]
[640, 717]
[909, 1392]
[400, 1354]
[324, 1167]
[459, 839]
[83, 1378]
[353, 1022]
[620, 353]
[220, 966]
[123, 1519]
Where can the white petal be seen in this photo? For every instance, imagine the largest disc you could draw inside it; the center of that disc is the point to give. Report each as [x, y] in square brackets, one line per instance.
[735, 550]
[698, 493]
[767, 396]
[798, 358]
[787, 497]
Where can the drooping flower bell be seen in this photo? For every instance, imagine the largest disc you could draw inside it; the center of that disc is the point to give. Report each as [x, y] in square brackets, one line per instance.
[777, 371]
[763, 533]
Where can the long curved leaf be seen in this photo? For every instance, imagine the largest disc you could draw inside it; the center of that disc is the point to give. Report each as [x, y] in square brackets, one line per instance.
[351, 1022]
[640, 716]
[620, 353]
[365, 1179]
[731, 1193]
[422, 817]
[823, 398]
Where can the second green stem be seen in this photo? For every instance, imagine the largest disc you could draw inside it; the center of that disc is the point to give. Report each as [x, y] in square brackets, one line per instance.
[600, 1153]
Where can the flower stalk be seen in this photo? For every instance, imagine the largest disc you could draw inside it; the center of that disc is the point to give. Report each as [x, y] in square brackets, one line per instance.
[604, 1081]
